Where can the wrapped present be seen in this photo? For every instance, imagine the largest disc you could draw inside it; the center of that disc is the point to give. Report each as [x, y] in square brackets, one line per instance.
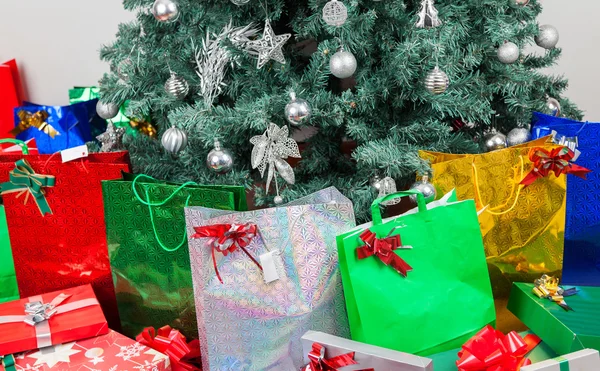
[429, 269]
[52, 318]
[564, 330]
[148, 248]
[9, 290]
[11, 96]
[57, 230]
[110, 352]
[536, 210]
[583, 360]
[184, 355]
[348, 355]
[263, 278]
[581, 264]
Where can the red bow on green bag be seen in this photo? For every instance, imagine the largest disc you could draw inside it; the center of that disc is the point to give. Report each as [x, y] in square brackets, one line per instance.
[491, 350]
[173, 344]
[318, 362]
[383, 249]
[557, 160]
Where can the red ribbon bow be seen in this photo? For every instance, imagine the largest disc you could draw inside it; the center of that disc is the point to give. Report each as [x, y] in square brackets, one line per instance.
[227, 238]
[318, 362]
[173, 344]
[491, 350]
[557, 160]
[384, 250]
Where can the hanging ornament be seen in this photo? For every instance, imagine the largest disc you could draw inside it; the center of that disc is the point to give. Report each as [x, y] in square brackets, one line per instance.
[553, 105]
[518, 136]
[508, 52]
[107, 110]
[177, 87]
[387, 186]
[143, 126]
[437, 81]
[269, 46]
[375, 182]
[174, 140]
[342, 64]
[493, 141]
[278, 200]
[270, 150]
[219, 160]
[335, 13]
[428, 15]
[548, 37]
[519, 2]
[112, 139]
[298, 111]
[165, 10]
[426, 188]
[240, 2]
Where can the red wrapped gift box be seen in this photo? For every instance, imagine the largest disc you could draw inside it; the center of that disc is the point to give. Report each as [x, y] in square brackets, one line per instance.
[72, 314]
[110, 352]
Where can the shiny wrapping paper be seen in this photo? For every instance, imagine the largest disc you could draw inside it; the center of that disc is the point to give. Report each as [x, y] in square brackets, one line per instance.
[84, 322]
[91, 94]
[247, 324]
[581, 264]
[523, 229]
[8, 279]
[583, 360]
[68, 247]
[153, 285]
[110, 352]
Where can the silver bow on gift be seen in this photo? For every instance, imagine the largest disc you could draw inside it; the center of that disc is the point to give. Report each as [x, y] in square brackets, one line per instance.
[38, 312]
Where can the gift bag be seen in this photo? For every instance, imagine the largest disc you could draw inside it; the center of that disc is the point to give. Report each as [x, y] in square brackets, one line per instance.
[522, 226]
[417, 283]
[8, 280]
[57, 231]
[581, 265]
[148, 248]
[263, 278]
[11, 95]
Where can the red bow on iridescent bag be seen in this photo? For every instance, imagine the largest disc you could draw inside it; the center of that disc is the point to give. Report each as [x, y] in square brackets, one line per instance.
[318, 362]
[227, 238]
[491, 350]
[173, 344]
[557, 161]
[384, 249]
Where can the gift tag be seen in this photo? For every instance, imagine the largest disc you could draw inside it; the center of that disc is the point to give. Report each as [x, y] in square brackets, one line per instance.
[74, 153]
[269, 263]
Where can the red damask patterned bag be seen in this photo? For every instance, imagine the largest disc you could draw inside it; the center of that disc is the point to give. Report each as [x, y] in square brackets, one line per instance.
[67, 246]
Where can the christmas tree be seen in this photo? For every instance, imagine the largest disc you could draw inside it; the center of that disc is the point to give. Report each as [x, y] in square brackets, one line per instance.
[380, 79]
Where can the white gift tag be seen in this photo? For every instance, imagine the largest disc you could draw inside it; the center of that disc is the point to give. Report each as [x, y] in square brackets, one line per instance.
[269, 266]
[74, 153]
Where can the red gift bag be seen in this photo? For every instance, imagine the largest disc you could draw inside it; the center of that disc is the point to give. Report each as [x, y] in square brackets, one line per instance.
[11, 96]
[55, 216]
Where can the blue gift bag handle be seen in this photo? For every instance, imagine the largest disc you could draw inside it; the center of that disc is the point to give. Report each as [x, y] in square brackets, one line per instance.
[20, 143]
[376, 209]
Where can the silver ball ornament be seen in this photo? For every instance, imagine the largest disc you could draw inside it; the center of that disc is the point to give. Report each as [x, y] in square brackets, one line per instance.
[165, 10]
[553, 106]
[240, 2]
[425, 188]
[335, 13]
[174, 140]
[177, 87]
[548, 37]
[519, 2]
[508, 53]
[436, 81]
[375, 182]
[343, 64]
[518, 136]
[107, 110]
[298, 111]
[278, 200]
[493, 141]
[219, 159]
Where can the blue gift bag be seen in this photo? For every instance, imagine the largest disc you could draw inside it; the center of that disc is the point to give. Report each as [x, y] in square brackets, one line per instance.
[582, 230]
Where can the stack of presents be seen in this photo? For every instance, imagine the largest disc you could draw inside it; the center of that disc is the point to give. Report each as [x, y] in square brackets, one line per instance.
[102, 269]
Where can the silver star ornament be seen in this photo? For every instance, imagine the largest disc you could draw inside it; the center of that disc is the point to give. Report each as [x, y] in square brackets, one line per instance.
[111, 139]
[269, 46]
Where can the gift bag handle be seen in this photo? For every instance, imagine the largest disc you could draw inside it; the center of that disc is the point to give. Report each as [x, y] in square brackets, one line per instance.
[518, 193]
[20, 143]
[376, 209]
[161, 203]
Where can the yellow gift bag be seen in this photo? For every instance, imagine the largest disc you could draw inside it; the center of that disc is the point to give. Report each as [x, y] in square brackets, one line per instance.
[522, 227]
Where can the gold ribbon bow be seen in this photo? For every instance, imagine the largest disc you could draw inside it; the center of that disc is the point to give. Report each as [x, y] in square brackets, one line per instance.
[37, 120]
[144, 127]
[546, 287]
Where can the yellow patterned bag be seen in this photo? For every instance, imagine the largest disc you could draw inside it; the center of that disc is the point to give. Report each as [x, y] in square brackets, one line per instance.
[522, 227]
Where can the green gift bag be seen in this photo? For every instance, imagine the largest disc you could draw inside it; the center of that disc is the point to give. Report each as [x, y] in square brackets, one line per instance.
[446, 296]
[148, 249]
[8, 280]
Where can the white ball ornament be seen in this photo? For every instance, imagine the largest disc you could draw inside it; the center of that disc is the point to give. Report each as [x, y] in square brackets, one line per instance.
[342, 64]
[107, 110]
[548, 37]
[508, 52]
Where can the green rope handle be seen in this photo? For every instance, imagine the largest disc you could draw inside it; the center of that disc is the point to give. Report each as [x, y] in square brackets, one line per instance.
[20, 143]
[161, 203]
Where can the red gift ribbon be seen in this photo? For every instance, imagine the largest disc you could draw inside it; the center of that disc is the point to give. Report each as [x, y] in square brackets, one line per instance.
[491, 350]
[318, 362]
[557, 160]
[227, 238]
[384, 250]
[173, 344]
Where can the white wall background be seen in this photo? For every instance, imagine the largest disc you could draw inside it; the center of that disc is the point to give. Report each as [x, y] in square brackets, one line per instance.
[56, 44]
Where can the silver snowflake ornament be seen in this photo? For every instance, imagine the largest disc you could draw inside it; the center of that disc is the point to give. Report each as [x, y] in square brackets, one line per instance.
[112, 138]
[269, 152]
[269, 46]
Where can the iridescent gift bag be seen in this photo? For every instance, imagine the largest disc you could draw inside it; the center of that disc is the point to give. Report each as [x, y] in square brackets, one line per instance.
[247, 324]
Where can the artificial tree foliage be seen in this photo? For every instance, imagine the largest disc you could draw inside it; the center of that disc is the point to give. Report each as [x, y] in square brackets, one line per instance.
[373, 123]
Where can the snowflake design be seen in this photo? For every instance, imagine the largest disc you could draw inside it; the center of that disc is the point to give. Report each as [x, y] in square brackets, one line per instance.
[147, 366]
[129, 351]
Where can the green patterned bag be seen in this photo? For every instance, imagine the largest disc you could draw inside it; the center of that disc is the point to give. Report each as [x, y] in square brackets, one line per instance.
[8, 280]
[148, 249]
